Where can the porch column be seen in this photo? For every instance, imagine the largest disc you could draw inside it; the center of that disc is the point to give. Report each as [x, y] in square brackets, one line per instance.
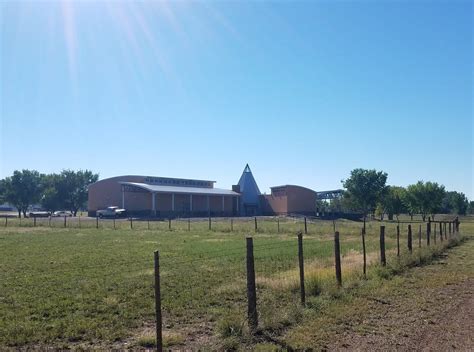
[123, 197]
[153, 203]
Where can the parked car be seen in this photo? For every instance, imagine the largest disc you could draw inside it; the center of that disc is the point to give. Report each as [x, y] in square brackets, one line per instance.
[62, 213]
[39, 214]
[111, 212]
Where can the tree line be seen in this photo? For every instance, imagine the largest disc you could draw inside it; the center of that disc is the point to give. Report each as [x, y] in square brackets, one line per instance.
[64, 191]
[366, 191]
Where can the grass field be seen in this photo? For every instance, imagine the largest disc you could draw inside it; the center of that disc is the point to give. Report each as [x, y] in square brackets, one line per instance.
[86, 287]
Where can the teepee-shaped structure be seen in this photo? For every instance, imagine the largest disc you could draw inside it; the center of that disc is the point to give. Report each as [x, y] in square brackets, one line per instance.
[250, 194]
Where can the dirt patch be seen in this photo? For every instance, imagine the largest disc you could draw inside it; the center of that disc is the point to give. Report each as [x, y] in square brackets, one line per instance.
[436, 314]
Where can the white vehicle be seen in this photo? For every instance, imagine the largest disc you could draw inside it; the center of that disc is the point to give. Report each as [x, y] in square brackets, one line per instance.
[111, 212]
[62, 213]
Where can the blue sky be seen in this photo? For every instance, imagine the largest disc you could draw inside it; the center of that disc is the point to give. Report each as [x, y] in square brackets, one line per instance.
[302, 91]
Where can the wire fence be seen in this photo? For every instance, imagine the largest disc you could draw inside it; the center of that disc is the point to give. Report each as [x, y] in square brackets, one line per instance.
[209, 290]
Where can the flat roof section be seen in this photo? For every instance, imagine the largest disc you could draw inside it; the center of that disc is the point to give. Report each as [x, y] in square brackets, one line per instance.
[183, 190]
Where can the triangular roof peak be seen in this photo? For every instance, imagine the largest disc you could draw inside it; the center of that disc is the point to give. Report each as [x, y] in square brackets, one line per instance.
[247, 168]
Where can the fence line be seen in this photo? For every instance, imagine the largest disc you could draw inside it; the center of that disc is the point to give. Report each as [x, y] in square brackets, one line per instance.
[290, 272]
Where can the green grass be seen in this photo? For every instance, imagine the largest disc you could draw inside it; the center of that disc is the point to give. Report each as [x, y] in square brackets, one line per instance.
[81, 286]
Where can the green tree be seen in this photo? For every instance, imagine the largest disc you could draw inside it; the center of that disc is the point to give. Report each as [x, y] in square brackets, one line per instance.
[424, 198]
[72, 188]
[51, 200]
[455, 203]
[22, 189]
[364, 189]
[393, 201]
[470, 209]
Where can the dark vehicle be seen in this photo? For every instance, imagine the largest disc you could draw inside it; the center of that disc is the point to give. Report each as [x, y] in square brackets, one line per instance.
[39, 214]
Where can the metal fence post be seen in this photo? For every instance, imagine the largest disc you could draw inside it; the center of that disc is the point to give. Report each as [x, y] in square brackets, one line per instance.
[251, 288]
[159, 323]
[398, 240]
[34, 221]
[301, 265]
[383, 260]
[337, 256]
[210, 223]
[305, 226]
[364, 253]
[256, 225]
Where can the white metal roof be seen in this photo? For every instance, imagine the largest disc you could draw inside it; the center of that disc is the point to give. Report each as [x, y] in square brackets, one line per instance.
[184, 190]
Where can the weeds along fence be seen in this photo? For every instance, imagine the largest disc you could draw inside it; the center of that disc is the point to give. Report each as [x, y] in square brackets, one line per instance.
[219, 224]
[261, 284]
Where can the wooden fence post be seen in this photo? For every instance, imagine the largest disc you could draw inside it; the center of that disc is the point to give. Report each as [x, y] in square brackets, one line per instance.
[278, 224]
[434, 233]
[169, 224]
[49, 221]
[305, 226]
[428, 233]
[445, 231]
[383, 260]
[251, 288]
[364, 253]
[410, 239]
[398, 240]
[159, 323]
[419, 236]
[337, 256]
[301, 265]
[65, 223]
[96, 222]
[256, 225]
[449, 228]
[440, 231]
[210, 223]
[34, 221]
[131, 222]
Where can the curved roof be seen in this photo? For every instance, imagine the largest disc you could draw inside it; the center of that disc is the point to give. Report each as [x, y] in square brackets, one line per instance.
[284, 186]
[183, 190]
